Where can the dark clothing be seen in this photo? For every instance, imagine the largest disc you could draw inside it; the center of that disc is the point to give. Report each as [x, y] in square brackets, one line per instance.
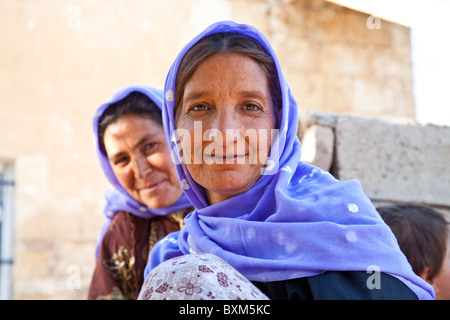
[124, 252]
[338, 285]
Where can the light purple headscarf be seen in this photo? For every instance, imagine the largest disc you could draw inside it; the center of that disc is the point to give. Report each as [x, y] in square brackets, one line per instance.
[118, 199]
[295, 221]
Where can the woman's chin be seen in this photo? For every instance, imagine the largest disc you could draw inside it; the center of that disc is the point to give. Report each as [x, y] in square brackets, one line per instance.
[161, 199]
[218, 193]
[151, 200]
[154, 203]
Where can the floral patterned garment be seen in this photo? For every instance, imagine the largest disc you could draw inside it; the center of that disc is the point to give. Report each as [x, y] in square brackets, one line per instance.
[198, 277]
[124, 252]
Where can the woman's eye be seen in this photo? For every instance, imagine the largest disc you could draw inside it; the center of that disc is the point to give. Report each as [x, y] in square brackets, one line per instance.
[121, 161]
[149, 146]
[251, 107]
[198, 107]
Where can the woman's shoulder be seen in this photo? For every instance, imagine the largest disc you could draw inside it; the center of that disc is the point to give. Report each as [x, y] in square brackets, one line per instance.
[339, 285]
[124, 225]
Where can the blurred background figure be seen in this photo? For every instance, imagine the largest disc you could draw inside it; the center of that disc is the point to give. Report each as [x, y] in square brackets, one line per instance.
[423, 236]
[146, 203]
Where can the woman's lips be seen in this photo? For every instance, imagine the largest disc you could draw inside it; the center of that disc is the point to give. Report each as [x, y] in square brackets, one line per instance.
[225, 158]
[151, 187]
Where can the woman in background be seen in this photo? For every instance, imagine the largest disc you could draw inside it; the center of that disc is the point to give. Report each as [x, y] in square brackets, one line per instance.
[146, 203]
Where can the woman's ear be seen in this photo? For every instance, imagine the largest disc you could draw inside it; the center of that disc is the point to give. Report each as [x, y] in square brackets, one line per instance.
[426, 275]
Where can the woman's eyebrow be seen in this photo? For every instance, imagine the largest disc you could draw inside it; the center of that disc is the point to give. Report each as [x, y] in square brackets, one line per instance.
[252, 94]
[244, 93]
[117, 155]
[195, 95]
[144, 139]
[136, 145]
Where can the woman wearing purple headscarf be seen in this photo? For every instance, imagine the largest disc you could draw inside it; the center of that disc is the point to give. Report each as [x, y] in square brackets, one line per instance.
[290, 228]
[146, 203]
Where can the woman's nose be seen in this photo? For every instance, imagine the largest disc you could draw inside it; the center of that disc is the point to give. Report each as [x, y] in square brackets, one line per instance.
[141, 167]
[226, 119]
[231, 127]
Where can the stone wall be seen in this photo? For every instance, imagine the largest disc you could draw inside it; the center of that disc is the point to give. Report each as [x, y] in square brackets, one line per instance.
[61, 58]
[395, 161]
[336, 60]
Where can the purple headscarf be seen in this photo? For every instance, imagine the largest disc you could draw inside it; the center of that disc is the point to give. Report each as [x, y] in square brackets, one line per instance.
[295, 221]
[118, 199]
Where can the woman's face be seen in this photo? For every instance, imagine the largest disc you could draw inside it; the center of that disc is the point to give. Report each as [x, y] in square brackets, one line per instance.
[228, 101]
[141, 160]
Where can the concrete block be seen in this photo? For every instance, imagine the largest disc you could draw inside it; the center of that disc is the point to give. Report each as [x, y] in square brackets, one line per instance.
[317, 146]
[394, 161]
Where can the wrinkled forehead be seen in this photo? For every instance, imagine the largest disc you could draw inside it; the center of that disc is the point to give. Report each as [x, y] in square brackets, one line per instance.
[286, 102]
[228, 55]
[225, 74]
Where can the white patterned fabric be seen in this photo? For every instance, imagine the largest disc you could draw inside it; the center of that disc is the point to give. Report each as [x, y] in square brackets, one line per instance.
[198, 277]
